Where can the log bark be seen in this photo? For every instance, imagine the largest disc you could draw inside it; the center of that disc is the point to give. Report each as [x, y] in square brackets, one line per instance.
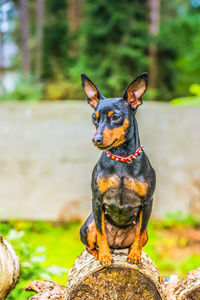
[9, 268]
[186, 289]
[46, 290]
[89, 280]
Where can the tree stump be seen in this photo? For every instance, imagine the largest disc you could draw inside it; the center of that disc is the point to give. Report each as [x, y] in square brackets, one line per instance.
[122, 281]
[9, 268]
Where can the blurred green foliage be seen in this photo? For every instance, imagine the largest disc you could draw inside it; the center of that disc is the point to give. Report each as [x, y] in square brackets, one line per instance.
[194, 89]
[48, 251]
[178, 219]
[56, 39]
[25, 90]
[179, 48]
[59, 89]
[110, 43]
[113, 44]
[36, 244]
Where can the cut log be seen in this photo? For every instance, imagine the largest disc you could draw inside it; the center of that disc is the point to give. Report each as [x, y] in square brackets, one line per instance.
[122, 281]
[46, 290]
[9, 268]
[186, 289]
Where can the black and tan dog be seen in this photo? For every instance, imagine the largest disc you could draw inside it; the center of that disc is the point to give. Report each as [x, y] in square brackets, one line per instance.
[123, 180]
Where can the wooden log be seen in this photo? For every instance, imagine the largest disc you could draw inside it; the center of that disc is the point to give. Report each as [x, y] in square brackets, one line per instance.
[186, 289]
[9, 268]
[122, 281]
[46, 290]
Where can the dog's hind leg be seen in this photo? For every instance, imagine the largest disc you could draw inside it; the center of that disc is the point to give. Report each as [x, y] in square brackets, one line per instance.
[88, 235]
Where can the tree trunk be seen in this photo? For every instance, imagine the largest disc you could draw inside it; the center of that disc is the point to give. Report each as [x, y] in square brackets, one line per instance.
[1, 53]
[154, 23]
[9, 268]
[74, 14]
[24, 29]
[39, 22]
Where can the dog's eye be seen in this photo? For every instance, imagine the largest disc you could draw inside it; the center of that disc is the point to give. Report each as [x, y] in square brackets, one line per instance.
[115, 118]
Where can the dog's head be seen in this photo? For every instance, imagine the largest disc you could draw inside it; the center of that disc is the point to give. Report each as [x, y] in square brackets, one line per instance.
[112, 115]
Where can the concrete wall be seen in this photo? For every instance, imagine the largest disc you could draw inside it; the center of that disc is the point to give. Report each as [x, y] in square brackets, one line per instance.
[46, 158]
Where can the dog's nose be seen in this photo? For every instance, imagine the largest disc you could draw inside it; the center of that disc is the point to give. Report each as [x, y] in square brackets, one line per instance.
[97, 140]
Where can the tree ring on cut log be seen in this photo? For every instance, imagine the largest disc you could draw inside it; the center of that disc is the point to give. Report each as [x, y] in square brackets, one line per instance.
[122, 281]
[119, 284]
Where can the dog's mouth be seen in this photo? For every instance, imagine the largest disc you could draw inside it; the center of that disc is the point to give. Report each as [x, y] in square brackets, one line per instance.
[106, 147]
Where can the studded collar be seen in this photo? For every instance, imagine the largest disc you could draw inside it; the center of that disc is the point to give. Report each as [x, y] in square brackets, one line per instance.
[125, 159]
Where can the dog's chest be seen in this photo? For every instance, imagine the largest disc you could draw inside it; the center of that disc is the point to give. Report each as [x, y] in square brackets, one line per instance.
[121, 189]
[121, 198]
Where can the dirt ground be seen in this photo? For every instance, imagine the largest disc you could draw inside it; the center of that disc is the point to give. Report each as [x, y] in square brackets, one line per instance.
[177, 250]
[181, 242]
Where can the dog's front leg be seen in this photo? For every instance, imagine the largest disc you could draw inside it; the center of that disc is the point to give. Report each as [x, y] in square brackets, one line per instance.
[105, 258]
[141, 236]
[136, 249]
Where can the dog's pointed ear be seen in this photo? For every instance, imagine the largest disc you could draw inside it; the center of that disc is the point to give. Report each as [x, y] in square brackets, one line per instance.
[136, 89]
[91, 91]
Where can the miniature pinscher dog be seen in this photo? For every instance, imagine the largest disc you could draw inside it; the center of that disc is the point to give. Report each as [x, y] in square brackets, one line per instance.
[123, 180]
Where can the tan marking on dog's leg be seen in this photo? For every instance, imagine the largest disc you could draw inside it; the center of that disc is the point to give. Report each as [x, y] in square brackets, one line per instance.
[92, 240]
[144, 238]
[105, 258]
[136, 248]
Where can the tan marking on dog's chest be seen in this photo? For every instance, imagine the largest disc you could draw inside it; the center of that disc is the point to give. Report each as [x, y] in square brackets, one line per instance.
[105, 183]
[138, 187]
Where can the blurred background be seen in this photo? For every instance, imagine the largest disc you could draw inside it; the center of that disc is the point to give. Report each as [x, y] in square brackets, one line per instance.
[46, 154]
[46, 44]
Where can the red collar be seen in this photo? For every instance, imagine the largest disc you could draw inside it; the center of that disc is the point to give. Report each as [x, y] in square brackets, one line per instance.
[126, 159]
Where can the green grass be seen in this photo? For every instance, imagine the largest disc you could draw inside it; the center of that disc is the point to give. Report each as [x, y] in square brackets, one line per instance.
[42, 245]
[58, 247]
[62, 246]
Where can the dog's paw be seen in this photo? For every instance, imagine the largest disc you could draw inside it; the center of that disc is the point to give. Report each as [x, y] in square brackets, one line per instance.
[134, 257]
[105, 260]
[94, 252]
